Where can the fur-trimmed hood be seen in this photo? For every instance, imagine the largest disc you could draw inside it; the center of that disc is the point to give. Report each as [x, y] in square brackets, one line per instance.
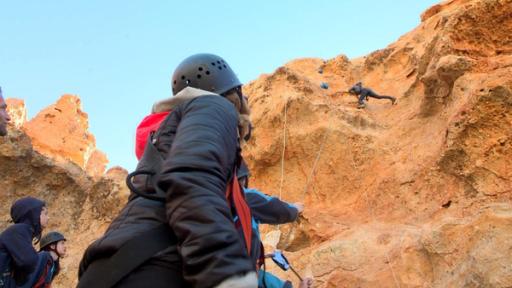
[184, 95]
[189, 93]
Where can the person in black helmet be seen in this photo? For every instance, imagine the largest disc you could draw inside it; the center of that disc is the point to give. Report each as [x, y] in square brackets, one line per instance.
[52, 247]
[363, 93]
[188, 239]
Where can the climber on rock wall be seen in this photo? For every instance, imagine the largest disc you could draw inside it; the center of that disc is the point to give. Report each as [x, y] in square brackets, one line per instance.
[363, 93]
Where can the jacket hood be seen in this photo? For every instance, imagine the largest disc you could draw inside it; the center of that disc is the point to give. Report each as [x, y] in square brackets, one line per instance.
[186, 94]
[28, 210]
[189, 93]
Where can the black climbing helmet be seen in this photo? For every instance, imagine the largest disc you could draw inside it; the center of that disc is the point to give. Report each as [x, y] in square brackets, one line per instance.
[204, 71]
[50, 238]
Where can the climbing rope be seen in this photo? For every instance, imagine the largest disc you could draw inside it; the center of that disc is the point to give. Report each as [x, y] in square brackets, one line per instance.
[312, 173]
[319, 153]
[322, 144]
[284, 148]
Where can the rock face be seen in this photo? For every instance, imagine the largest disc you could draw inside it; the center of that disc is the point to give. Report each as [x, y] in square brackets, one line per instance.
[61, 131]
[17, 110]
[386, 188]
[97, 163]
[412, 195]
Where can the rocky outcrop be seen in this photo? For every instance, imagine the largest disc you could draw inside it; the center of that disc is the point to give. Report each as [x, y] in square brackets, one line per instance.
[439, 81]
[444, 252]
[97, 163]
[413, 195]
[61, 131]
[17, 111]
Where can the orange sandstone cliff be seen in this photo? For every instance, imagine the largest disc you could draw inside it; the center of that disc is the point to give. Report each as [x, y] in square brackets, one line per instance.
[60, 131]
[412, 195]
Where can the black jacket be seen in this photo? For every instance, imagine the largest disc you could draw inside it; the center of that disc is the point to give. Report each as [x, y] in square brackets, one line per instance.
[199, 142]
[361, 91]
[16, 251]
[270, 210]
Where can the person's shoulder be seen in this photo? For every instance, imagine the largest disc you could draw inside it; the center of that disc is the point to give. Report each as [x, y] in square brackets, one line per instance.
[212, 102]
[16, 232]
[212, 98]
[45, 256]
[17, 228]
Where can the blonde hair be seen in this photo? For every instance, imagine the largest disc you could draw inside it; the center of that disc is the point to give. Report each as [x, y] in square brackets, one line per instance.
[244, 112]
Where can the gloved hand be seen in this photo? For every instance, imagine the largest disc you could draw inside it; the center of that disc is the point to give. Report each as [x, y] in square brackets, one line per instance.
[299, 206]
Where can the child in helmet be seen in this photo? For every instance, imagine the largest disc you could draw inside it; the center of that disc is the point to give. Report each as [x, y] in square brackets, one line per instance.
[52, 247]
[18, 258]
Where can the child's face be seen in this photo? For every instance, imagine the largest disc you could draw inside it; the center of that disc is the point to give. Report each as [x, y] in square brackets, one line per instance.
[61, 248]
[44, 217]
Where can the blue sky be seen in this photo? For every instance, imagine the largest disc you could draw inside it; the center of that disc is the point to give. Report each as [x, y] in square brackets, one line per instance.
[119, 55]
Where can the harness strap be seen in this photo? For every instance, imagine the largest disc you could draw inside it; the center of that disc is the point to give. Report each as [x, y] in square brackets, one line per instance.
[234, 195]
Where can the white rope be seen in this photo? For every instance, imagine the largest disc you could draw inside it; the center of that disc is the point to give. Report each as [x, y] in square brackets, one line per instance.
[372, 213]
[320, 150]
[316, 162]
[284, 148]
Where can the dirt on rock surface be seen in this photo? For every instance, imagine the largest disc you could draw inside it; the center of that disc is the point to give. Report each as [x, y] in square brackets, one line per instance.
[410, 195]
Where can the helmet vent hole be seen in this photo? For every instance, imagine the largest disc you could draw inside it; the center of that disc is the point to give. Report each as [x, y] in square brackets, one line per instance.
[207, 72]
[218, 62]
[224, 66]
[182, 77]
[188, 81]
[220, 68]
[198, 76]
[200, 69]
[174, 82]
[213, 63]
